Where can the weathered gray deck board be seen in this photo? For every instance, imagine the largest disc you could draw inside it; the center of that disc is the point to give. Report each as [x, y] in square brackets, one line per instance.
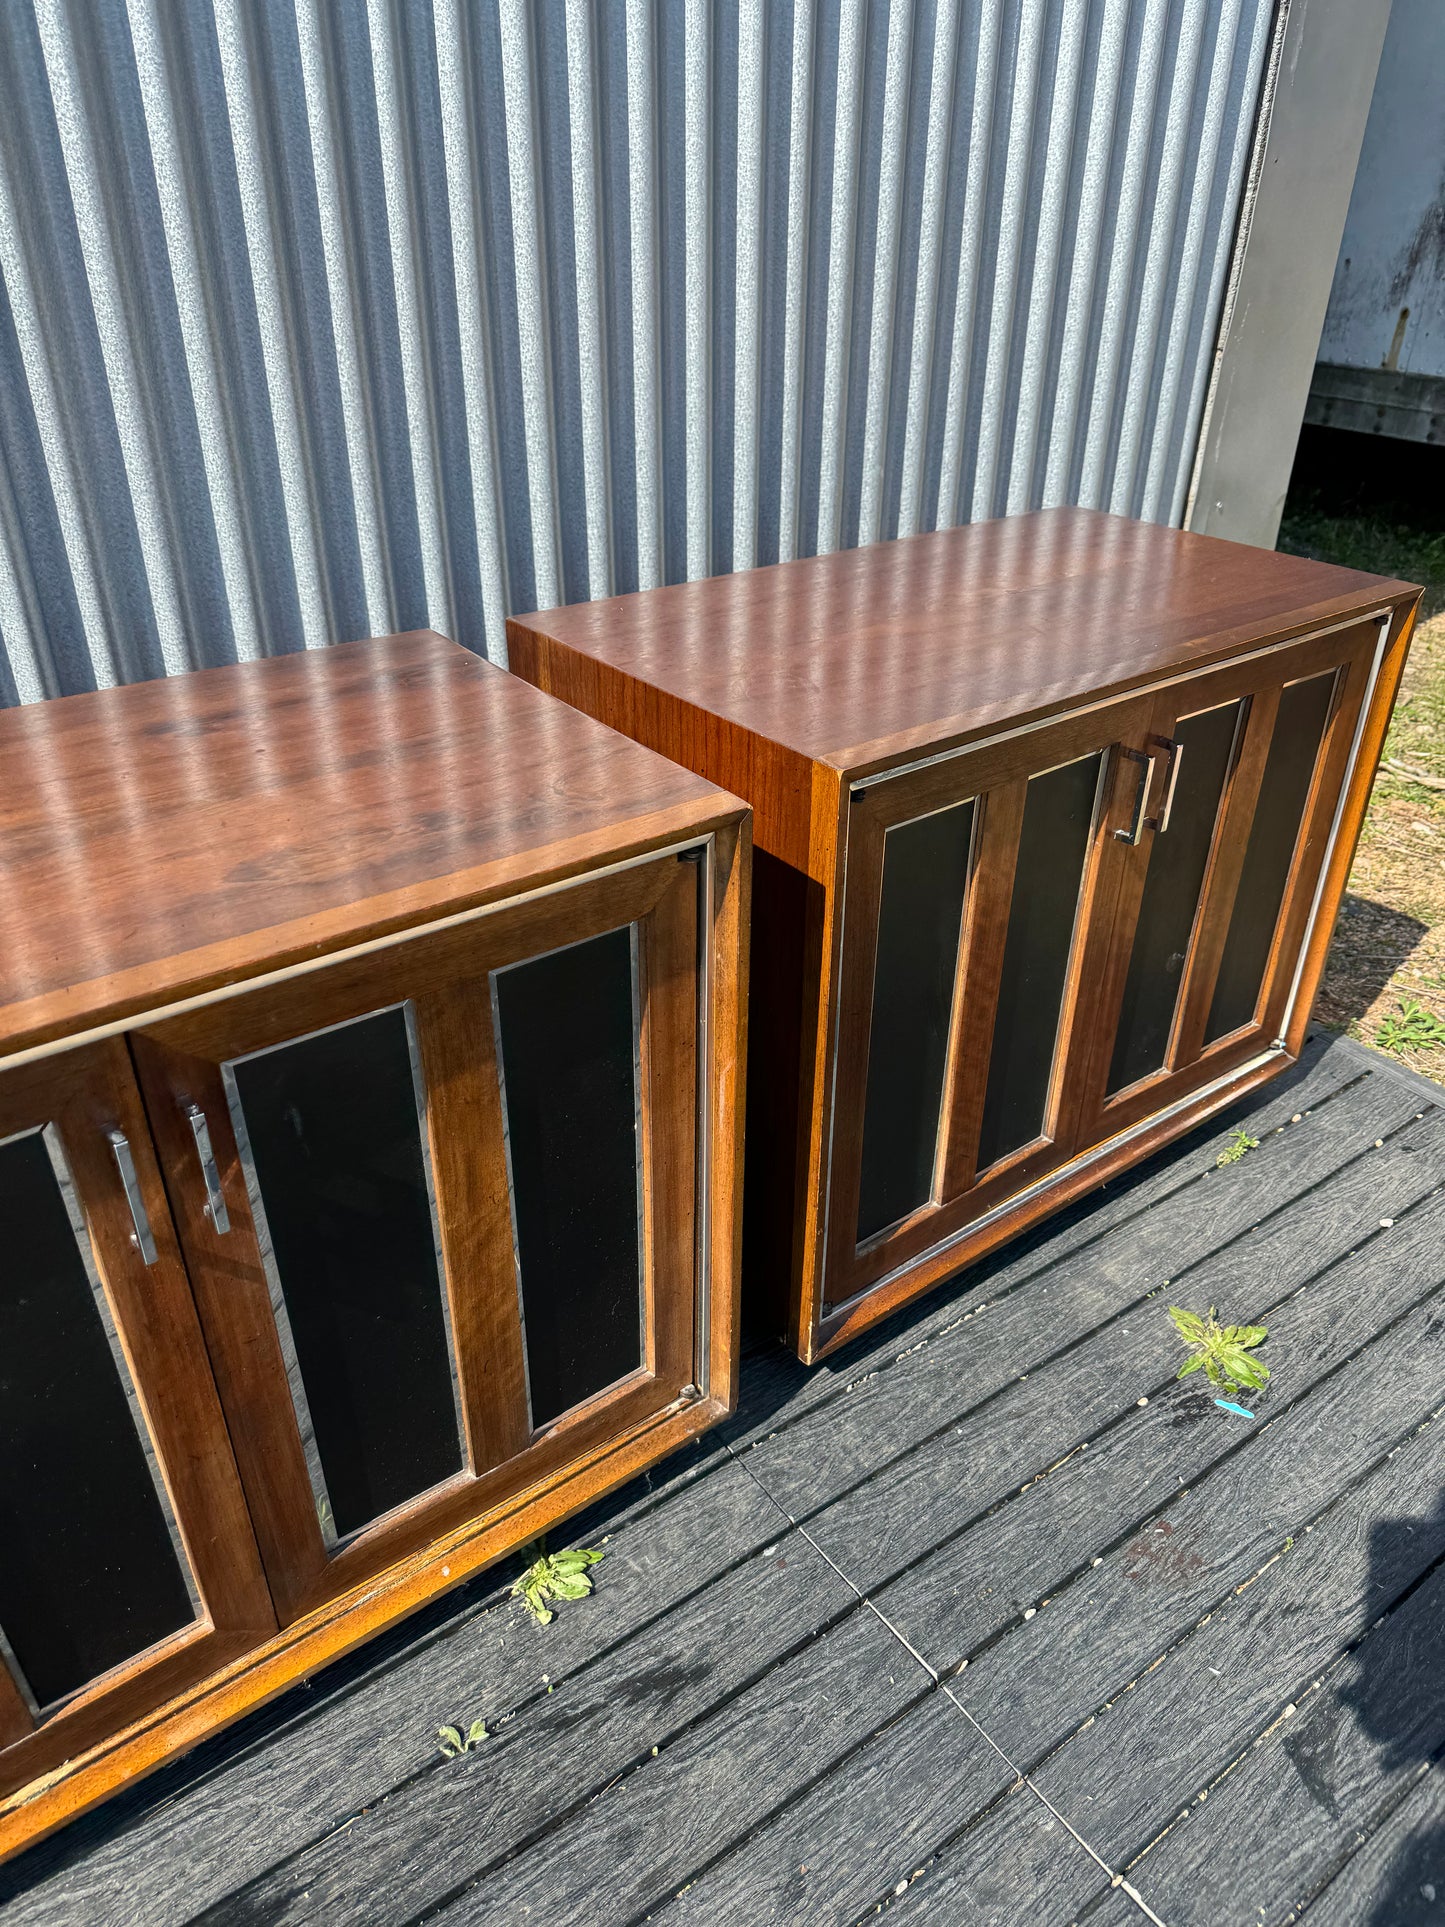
[414, 1846]
[963, 1465]
[1042, 1679]
[1019, 1863]
[649, 1834]
[929, 1496]
[780, 1391]
[1039, 1304]
[1201, 1709]
[1297, 1808]
[1396, 1877]
[845, 1845]
[1044, 1539]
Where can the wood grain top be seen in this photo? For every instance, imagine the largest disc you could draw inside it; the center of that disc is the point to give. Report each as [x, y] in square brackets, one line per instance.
[160, 839]
[864, 656]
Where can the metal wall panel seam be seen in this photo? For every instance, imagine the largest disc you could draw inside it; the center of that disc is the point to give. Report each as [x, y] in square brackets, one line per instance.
[800, 175]
[1175, 393]
[592, 372]
[885, 270]
[463, 203]
[51, 429]
[1156, 286]
[1087, 256]
[406, 270]
[133, 419]
[24, 666]
[346, 344]
[1251, 140]
[848, 86]
[642, 212]
[522, 172]
[1009, 260]
[223, 484]
[966, 296]
[942, 84]
[1123, 253]
[1035, 400]
[248, 149]
[697, 129]
[748, 302]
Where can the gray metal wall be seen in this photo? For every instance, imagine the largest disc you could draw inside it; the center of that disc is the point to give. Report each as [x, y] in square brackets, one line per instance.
[1382, 353]
[1387, 304]
[321, 318]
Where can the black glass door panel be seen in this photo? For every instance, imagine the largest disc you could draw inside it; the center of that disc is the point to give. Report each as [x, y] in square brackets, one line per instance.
[1053, 849]
[567, 1046]
[1178, 859]
[93, 1571]
[331, 1131]
[1294, 747]
[920, 913]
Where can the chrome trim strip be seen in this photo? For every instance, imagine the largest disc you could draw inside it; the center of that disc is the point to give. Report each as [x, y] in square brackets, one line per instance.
[1333, 838]
[22, 1685]
[634, 966]
[1084, 1159]
[702, 1290]
[1108, 702]
[333, 1540]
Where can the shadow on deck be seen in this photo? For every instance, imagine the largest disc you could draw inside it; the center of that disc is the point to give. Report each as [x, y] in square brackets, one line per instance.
[988, 1619]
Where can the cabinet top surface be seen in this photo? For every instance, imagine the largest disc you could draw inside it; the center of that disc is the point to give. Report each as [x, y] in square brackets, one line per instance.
[160, 839]
[870, 654]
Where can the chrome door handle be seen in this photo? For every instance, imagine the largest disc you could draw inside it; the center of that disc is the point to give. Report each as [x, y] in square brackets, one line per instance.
[141, 1237]
[215, 1205]
[1141, 800]
[1171, 779]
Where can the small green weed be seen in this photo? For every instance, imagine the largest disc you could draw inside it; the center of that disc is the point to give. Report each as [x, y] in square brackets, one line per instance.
[454, 1741]
[1414, 1028]
[555, 1575]
[1238, 1146]
[1222, 1351]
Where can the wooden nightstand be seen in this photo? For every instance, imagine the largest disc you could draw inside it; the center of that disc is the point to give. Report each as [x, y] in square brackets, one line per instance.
[371, 1047]
[1053, 816]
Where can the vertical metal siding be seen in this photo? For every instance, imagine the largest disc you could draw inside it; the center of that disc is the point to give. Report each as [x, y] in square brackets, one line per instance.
[320, 318]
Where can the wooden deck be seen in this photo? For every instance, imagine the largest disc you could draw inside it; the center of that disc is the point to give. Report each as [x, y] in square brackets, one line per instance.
[986, 1620]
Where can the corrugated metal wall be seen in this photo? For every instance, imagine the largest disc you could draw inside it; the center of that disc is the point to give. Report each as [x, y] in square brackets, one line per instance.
[322, 318]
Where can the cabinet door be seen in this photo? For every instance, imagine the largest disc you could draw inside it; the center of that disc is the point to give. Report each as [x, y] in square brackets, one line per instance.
[1215, 898]
[438, 1205]
[127, 1564]
[979, 905]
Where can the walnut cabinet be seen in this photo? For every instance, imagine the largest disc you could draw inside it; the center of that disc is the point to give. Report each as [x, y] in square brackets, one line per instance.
[368, 1129]
[1053, 816]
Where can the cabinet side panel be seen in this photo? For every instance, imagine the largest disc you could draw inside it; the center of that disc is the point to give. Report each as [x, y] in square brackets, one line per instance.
[777, 782]
[782, 1019]
[795, 836]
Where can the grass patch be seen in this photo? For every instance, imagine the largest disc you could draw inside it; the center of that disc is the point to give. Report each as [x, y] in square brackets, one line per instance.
[1374, 541]
[1385, 979]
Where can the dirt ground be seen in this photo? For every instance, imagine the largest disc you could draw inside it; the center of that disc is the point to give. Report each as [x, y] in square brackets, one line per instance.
[1385, 978]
